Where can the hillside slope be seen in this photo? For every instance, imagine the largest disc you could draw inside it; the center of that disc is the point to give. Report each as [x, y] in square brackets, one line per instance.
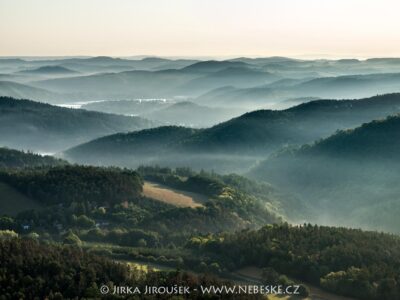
[264, 131]
[129, 149]
[341, 260]
[11, 200]
[50, 70]
[41, 127]
[306, 85]
[23, 91]
[349, 178]
[14, 159]
[238, 143]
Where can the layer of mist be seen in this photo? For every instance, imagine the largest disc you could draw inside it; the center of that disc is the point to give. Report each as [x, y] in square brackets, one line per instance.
[253, 117]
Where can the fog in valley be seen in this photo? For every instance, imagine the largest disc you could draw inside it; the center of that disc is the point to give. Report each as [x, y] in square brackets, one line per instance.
[276, 120]
[189, 149]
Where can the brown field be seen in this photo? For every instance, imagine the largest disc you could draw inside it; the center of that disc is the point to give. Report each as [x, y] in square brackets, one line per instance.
[254, 274]
[173, 196]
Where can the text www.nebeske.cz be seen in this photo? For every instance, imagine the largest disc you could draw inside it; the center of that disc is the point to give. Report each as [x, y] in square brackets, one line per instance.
[223, 289]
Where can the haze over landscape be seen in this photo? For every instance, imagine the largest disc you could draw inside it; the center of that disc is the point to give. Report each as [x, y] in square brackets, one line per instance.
[197, 144]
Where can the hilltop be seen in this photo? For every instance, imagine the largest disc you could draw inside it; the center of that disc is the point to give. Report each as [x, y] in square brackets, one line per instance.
[241, 141]
[145, 146]
[50, 70]
[14, 159]
[23, 91]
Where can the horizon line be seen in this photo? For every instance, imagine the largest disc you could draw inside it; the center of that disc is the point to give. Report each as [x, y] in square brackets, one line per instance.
[209, 57]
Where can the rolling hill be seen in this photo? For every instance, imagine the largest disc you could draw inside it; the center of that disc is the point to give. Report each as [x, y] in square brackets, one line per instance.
[239, 77]
[25, 124]
[349, 178]
[214, 66]
[264, 131]
[182, 113]
[243, 140]
[14, 159]
[354, 86]
[122, 85]
[257, 83]
[187, 113]
[13, 201]
[23, 91]
[191, 81]
[308, 85]
[133, 149]
[50, 70]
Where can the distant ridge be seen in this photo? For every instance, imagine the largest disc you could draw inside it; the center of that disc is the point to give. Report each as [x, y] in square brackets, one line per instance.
[30, 125]
[55, 70]
[214, 65]
[10, 158]
[18, 90]
[251, 136]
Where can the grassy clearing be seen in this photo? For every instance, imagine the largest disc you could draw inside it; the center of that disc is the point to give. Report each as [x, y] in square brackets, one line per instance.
[12, 202]
[146, 266]
[173, 196]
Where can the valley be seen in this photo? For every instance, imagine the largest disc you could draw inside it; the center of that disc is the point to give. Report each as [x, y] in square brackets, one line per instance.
[249, 170]
[199, 150]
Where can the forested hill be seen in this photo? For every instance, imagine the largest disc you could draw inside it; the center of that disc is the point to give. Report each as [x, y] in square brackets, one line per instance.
[239, 142]
[377, 140]
[41, 127]
[350, 177]
[139, 147]
[266, 130]
[14, 159]
[18, 90]
[67, 184]
[51, 70]
[31, 270]
[116, 195]
[364, 265]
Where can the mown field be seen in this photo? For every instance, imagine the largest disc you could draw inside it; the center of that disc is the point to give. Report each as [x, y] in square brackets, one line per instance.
[173, 196]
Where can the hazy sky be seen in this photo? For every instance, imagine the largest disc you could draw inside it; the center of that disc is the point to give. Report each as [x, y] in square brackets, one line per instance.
[339, 28]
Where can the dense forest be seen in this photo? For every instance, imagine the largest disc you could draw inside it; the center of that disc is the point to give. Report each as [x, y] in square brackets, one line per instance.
[263, 131]
[30, 270]
[237, 144]
[135, 147]
[82, 196]
[185, 172]
[290, 208]
[350, 262]
[351, 176]
[360, 264]
[69, 184]
[26, 124]
[13, 159]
